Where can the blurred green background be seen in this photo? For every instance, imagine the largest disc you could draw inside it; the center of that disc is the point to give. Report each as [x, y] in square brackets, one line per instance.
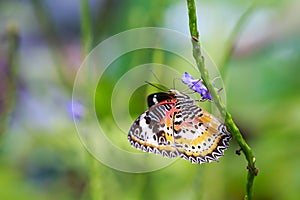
[255, 45]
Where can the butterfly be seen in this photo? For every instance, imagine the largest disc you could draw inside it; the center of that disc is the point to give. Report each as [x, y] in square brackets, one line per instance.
[175, 126]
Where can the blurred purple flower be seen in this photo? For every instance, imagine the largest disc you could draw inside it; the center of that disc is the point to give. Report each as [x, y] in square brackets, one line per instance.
[196, 85]
[76, 109]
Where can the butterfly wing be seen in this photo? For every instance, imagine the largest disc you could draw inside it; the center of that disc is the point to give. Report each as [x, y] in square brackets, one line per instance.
[152, 131]
[199, 136]
[175, 126]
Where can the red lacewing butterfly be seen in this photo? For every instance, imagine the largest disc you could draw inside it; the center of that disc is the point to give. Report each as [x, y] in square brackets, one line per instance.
[175, 126]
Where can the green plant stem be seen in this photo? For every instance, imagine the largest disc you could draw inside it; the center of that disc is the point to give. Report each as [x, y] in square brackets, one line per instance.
[95, 174]
[192, 15]
[51, 34]
[229, 46]
[86, 27]
[252, 171]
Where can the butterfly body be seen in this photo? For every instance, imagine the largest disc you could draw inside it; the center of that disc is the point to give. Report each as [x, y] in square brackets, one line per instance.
[175, 126]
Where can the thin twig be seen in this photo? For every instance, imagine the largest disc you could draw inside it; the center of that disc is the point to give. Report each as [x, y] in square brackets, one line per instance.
[252, 170]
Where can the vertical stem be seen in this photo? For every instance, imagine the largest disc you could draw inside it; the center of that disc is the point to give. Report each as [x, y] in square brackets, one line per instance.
[252, 170]
[86, 41]
[52, 37]
[192, 15]
[86, 27]
[229, 46]
[95, 188]
[9, 78]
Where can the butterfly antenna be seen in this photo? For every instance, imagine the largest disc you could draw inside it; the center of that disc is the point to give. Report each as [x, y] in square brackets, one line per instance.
[156, 86]
[152, 72]
[213, 83]
[174, 83]
[192, 86]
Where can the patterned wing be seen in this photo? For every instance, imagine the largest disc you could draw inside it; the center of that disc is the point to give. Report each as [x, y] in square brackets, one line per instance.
[152, 131]
[199, 136]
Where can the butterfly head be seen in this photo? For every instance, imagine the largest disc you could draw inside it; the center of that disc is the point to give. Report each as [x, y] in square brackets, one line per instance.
[173, 92]
[158, 97]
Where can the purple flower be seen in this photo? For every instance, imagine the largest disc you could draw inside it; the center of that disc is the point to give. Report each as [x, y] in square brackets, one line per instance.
[196, 85]
[76, 109]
